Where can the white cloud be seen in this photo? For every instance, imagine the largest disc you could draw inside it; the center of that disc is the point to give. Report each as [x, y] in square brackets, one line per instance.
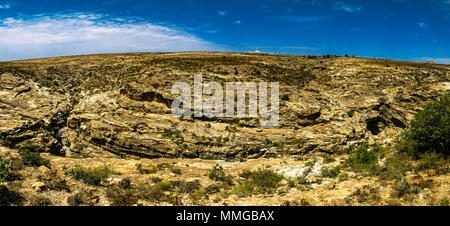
[222, 13]
[422, 25]
[5, 5]
[237, 22]
[78, 33]
[341, 6]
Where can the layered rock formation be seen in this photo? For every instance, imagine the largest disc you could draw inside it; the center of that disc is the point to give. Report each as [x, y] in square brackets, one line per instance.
[119, 105]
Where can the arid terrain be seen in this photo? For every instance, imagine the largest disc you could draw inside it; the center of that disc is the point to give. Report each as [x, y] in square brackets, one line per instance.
[105, 134]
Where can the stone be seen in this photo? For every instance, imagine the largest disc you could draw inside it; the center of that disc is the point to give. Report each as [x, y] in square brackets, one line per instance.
[37, 186]
[71, 199]
[332, 185]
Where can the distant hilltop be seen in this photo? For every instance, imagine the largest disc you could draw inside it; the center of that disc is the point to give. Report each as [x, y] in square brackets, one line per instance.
[256, 51]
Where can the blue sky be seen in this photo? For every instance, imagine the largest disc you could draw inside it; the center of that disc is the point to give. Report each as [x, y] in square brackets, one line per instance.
[415, 30]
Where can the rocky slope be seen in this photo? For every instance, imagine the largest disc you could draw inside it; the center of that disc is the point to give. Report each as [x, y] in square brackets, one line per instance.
[115, 109]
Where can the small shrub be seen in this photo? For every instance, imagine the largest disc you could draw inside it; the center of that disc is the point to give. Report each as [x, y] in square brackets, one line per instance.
[246, 174]
[165, 185]
[331, 172]
[266, 179]
[138, 125]
[5, 170]
[151, 193]
[278, 144]
[197, 194]
[444, 202]
[291, 183]
[189, 187]
[351, 113]
[311, 162]
[245, 189]
[371, 195]
[41, 201]
[142, 170]
[121, 197]
[176, 171]
[405, 188]
[364, 161]
[342, 177]
[328, 159]
[155, 85]
[396, 166]
[431, 160]
[90, 176]
[57, 186]
[217, 174]
[33, 159]
[302, 178]
[171, 133]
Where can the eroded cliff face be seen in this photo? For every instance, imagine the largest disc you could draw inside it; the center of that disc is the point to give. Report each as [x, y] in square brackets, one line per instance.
[114, 111]
[119, 105]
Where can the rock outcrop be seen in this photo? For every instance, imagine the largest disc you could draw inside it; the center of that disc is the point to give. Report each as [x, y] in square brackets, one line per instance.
[119, 105]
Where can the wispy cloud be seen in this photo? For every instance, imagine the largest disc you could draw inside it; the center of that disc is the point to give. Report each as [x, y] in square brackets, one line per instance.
[346, 7]
[222, 12]
[237, 22]
[300, 19]
[265, 8]
[5, 5]
[422, 25]
[80, 33]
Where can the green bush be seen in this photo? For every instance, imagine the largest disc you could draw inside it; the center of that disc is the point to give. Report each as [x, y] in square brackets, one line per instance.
[432, 161]
[245, 189]
[372, 196]
[90, 176]
[429, 131]
[331, 172]
[266, 179]
[152, 193]
[143, 170]
[217, 174]
[364, 161]
[405, 188]
[176, 171]
[5, 170]
[328, 159]
[396, 166]
[351, 113]
[165, 185]
[444, 202]
[189, 187]
[41, 201]
[171, 133]
[121, 196]
[31, 158]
